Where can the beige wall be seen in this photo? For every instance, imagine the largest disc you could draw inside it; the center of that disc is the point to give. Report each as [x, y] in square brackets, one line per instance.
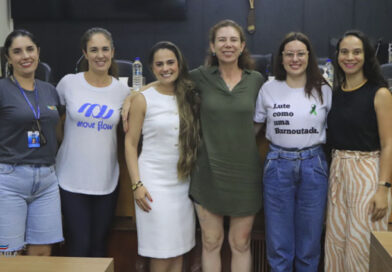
[6, 24]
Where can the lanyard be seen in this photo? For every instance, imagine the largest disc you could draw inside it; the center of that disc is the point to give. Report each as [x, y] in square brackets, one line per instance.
[37, 113]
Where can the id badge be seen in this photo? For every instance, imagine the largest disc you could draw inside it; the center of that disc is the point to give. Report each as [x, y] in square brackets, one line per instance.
[33, 139]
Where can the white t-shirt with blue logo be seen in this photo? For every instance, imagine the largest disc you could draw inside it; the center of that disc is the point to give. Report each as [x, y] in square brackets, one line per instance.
[87, 159]
[293, 120]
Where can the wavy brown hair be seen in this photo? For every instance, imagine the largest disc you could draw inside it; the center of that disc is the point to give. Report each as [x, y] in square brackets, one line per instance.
[314, 78]
[83, 66]
[244, 60]
[188, 103]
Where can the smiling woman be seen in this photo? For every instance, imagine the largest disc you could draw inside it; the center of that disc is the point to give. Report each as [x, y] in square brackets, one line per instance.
[227, 46]
[294, 108]
[226, 178]
[98, 52]
[351, 56]
[295, 58]
[165, 68]
[360, 132]
[88, 179]
[29, 196]
[166, 114]
[23, 57]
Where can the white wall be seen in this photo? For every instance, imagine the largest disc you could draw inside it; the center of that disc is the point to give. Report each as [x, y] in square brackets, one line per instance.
[6, 23]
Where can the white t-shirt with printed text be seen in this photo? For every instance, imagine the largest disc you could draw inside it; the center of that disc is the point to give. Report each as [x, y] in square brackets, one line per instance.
[293, 119]
[87, 159]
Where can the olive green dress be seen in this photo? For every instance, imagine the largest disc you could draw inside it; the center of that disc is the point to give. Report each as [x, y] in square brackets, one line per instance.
[226, 179]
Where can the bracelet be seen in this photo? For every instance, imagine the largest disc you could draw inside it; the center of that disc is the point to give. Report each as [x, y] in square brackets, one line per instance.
[137, 185]
[385, 183]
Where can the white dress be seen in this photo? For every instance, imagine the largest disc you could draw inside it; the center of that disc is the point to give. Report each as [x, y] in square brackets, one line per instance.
[168, 230]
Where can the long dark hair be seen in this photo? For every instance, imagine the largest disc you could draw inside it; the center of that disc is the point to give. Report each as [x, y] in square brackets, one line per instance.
[188, 103]
[371, 67]
[314, 79]
[244, 60]
[83, 66]
[6, 69]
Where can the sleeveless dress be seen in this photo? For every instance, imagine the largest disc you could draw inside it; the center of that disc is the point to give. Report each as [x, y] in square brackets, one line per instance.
[168, 230]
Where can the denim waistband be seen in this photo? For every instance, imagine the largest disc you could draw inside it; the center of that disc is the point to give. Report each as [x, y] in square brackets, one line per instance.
[276, 152]
[32, 165]
[37, 165]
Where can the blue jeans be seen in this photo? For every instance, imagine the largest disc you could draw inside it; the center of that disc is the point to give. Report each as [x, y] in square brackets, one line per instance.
[29, 206]
[295, 194]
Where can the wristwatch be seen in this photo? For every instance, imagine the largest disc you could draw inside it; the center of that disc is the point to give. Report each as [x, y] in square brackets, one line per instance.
[385, 183]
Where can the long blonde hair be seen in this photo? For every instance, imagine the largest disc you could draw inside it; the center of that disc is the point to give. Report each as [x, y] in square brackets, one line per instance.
[188, 102]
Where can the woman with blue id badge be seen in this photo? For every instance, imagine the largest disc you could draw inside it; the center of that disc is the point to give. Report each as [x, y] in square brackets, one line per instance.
[29, 194]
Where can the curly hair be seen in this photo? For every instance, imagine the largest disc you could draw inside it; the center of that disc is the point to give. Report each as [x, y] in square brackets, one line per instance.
[188, 103]
[371, 67]
[244, 60]
[83, 66]
[314, 79]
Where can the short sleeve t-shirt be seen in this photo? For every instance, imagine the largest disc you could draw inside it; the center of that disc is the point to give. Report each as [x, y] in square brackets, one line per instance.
[16, 119]
[293, 120]
[226, 178]
[87, 158]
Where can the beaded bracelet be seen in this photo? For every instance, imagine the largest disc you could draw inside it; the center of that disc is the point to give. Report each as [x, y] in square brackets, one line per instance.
[137, 185]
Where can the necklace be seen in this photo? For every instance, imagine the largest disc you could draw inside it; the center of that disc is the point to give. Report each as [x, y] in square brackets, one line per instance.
[354, 88]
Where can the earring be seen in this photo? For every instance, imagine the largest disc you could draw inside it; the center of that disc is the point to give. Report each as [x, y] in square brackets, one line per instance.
[240, 53]
[7, 71]
[213, 54]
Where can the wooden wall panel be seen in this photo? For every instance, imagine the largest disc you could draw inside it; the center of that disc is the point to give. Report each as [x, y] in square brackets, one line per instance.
[320, 19]
[125, 203]
[324, 20]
